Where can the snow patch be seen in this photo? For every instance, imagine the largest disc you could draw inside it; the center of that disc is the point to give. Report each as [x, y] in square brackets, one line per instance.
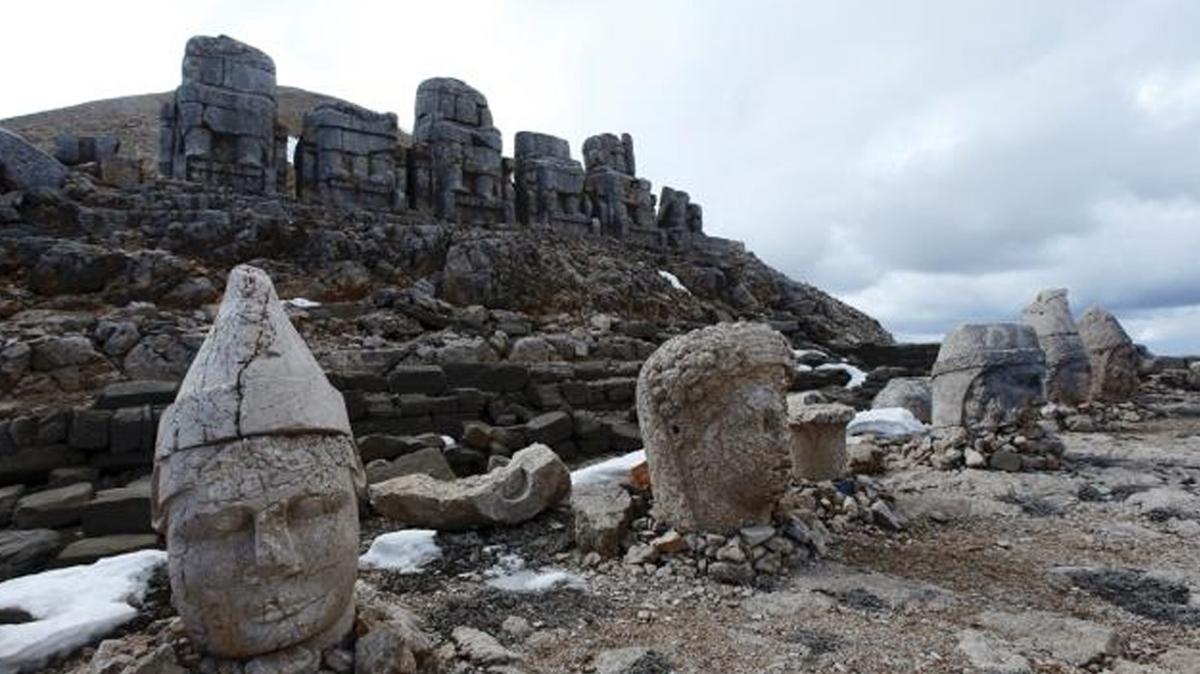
[673, 280]
[448, 442]
[857, 376]
[405, 551]
[891, 422]
[510, 575]
[302, 303]
[72, 607]
[801, 367]
[612, 470]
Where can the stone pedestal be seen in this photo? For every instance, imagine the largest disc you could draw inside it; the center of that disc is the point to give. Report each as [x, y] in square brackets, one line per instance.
[818, 441]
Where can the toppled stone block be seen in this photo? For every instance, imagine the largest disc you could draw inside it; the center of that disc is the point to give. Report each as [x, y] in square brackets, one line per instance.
[534, 480]
[72, 149]
[88, 550]
[123, 510]
[53, 507]
[138, 392]
[24, 167]
[428, 461]
[713, 416]
[1068, 369]
[23, 552]
[987, 374]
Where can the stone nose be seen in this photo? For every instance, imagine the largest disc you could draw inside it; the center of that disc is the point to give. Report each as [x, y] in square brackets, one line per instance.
[274, 550]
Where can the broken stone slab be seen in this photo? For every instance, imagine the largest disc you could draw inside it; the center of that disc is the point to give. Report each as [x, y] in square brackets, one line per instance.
[123, 510]
[1070, 640]
[1114, 358]
[714, 420]
[1068, 369]
[533, 481]
[26, 551]
[429, 461]
[602, 513]
[987, 374]
[911, 393]
[818, 440]
[24, 167]
[550, 428]
[8, 501]
[88, 550]
[986, 653]
[53, 507]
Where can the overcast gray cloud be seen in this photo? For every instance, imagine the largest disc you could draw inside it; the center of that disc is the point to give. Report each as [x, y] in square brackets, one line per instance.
[930, 162]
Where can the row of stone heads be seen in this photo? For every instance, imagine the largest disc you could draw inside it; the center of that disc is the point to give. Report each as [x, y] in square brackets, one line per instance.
[221, 127]
[988, 373]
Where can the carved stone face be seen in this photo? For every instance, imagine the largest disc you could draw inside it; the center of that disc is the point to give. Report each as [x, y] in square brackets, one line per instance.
[263, 549]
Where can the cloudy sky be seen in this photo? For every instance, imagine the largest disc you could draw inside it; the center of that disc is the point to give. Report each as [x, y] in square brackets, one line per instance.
[929, 162]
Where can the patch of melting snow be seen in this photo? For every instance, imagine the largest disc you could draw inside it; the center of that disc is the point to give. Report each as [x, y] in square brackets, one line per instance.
[673, 280]
[72, 607]
[448, 441]
[405, 551]
[611, 470]
[857, 376]
[891, 422]
[510, 575]
[302, 303]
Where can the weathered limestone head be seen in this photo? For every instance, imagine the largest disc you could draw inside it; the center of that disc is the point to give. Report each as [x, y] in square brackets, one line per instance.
[987, 374]
[713, 413]
[1068, 369]
[1114, 357]
[255, 486]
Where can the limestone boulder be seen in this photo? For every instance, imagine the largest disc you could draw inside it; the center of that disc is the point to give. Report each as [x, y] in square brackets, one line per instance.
[602, 513]
[987, 374]
[26, 551]
[714, 420]
[1114, 358]
[535, 479]
[1068, 369]
[911, 393]
[53, 507]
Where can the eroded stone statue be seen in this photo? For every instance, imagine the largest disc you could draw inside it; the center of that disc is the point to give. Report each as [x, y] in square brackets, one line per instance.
[987, 374]
[1067, 367]
[1113, 356]
[220, 128]
[255, 486]
[714, 421]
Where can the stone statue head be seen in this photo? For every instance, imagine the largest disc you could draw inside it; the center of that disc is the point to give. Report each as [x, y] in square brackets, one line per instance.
[714, 420]
[256, 484]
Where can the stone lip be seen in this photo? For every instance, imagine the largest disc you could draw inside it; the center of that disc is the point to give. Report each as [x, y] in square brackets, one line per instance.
[254, 375]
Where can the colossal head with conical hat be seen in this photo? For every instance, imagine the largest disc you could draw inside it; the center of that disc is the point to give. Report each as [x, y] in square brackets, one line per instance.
[256, 482]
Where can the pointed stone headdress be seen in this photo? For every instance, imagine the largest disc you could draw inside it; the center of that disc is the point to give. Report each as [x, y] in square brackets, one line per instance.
[253, 376]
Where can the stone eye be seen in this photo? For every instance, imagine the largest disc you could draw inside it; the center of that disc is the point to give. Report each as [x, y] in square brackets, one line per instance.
[222, 523]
